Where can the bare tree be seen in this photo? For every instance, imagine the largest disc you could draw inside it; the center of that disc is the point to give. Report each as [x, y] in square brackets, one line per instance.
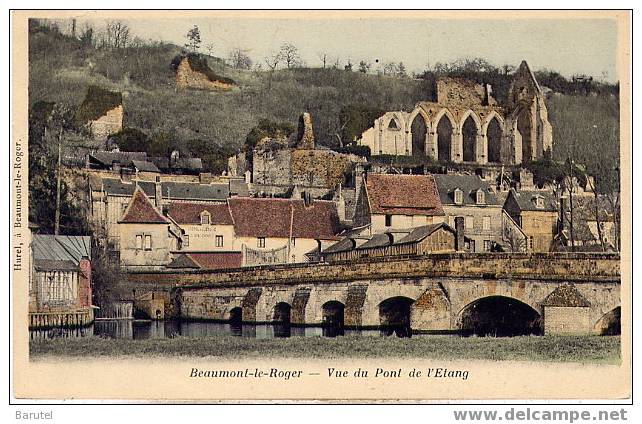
[290, 55]
[364, 67]
[323, 57]
[116, 34]
[272, 61]
[401, 69]
[390, 68]
[209, 48]
[239, 59]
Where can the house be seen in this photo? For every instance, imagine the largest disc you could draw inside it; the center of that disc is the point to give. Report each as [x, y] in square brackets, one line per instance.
[536, 213]
[145, 234]
[388, 202]
[108, 198]
[282, 230]
[594, 224]
[240, 232]
[434, 238]
[60, 281]
[472, 198]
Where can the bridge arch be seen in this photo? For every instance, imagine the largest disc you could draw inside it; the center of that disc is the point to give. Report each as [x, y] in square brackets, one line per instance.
[610, 323]
[282, 313]
[499, 316]
[394, 315]
[235, 315]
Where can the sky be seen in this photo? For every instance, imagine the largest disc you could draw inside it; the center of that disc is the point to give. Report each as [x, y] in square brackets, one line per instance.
[569, 46]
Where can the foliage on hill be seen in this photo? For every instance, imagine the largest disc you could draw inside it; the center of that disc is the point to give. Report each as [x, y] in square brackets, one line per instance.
[267, 128]
[342, 103]
[97, 103]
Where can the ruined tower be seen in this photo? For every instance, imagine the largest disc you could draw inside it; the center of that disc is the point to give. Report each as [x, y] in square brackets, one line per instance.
[305, 136]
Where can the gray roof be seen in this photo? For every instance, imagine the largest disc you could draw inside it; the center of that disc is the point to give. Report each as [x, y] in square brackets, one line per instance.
[124, 158]
[420, 233]
[377, 240]
[469, 184]
[526, 200]
[183, 261]
[239, 187]
[344, 245]
[191, 164]
[195, 191]
[145, 166]
[172, 190]
[48, 250]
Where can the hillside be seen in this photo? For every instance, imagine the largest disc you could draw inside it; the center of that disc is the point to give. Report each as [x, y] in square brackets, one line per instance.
[61, 69]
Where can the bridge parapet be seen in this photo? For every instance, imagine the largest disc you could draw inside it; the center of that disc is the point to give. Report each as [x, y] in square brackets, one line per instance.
[541, 266]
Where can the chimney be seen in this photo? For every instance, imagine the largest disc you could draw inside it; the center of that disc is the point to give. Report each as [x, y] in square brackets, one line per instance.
[205, 177]
[459, 234]
[158, 195]
[125, 175]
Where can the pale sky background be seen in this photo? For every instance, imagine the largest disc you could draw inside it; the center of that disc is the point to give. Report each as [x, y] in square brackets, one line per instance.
[569, 46]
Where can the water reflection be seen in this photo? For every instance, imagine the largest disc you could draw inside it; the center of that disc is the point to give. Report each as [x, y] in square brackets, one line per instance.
[138, 330]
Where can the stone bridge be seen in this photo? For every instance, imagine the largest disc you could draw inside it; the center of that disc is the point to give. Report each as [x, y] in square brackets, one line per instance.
[490, 293]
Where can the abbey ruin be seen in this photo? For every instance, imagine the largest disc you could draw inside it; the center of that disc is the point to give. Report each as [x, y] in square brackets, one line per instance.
[466, 124]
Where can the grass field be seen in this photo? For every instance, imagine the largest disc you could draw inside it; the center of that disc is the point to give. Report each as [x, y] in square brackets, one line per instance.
[591, 349]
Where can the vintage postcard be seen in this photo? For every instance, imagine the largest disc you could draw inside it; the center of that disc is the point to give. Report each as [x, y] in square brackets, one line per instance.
[321, 206]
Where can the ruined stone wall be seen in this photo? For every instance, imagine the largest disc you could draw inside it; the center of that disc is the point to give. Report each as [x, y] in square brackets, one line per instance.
[188, 78]
[460, 92]
[319, 167]
[110, 123]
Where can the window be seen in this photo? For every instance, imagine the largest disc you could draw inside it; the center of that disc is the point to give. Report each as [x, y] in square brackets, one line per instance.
[148, 242]
[260, 242]
[205, 218]
[393, 125]
[293, 241]
[487, 245]
[539, 202]
[219, 241]
[471, 246]
[388, 220]
[530, 242]
[469, 222]
[185, 240]
[480, 197]
[486, 223]
[459, 197]
[139, 242]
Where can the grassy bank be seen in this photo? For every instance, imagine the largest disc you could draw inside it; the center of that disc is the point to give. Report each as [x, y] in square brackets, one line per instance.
[549, 348]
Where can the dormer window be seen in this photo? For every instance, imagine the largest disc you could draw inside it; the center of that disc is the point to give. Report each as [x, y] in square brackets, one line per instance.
[205, 218]
[459, 196]
[539, 202]
[481, 199]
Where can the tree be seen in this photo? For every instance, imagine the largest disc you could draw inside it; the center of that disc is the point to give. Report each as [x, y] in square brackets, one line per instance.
[401, 69]
[209, 48]
[364, 67]
[193, 39]
[348, 66]
[290, 55]
[238, 59]
[323, 57]
[390, 68]
[116, 34]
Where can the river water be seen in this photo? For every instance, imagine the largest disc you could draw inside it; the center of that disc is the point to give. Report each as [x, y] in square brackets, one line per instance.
[137, 330]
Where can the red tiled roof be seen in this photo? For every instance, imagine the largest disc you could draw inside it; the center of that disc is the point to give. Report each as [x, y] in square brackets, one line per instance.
[190, 213]
[271, 218]
[141, 211]
[403, 195]
[217, 260]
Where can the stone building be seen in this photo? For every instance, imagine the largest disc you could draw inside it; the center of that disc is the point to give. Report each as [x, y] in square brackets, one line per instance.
[537, 215]
[145, 236]
[101, 112]
[472, 198]
[387, 202]
[60, 281]
[276, 165]
[466, 124]
[240, 232]
[108, 198]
